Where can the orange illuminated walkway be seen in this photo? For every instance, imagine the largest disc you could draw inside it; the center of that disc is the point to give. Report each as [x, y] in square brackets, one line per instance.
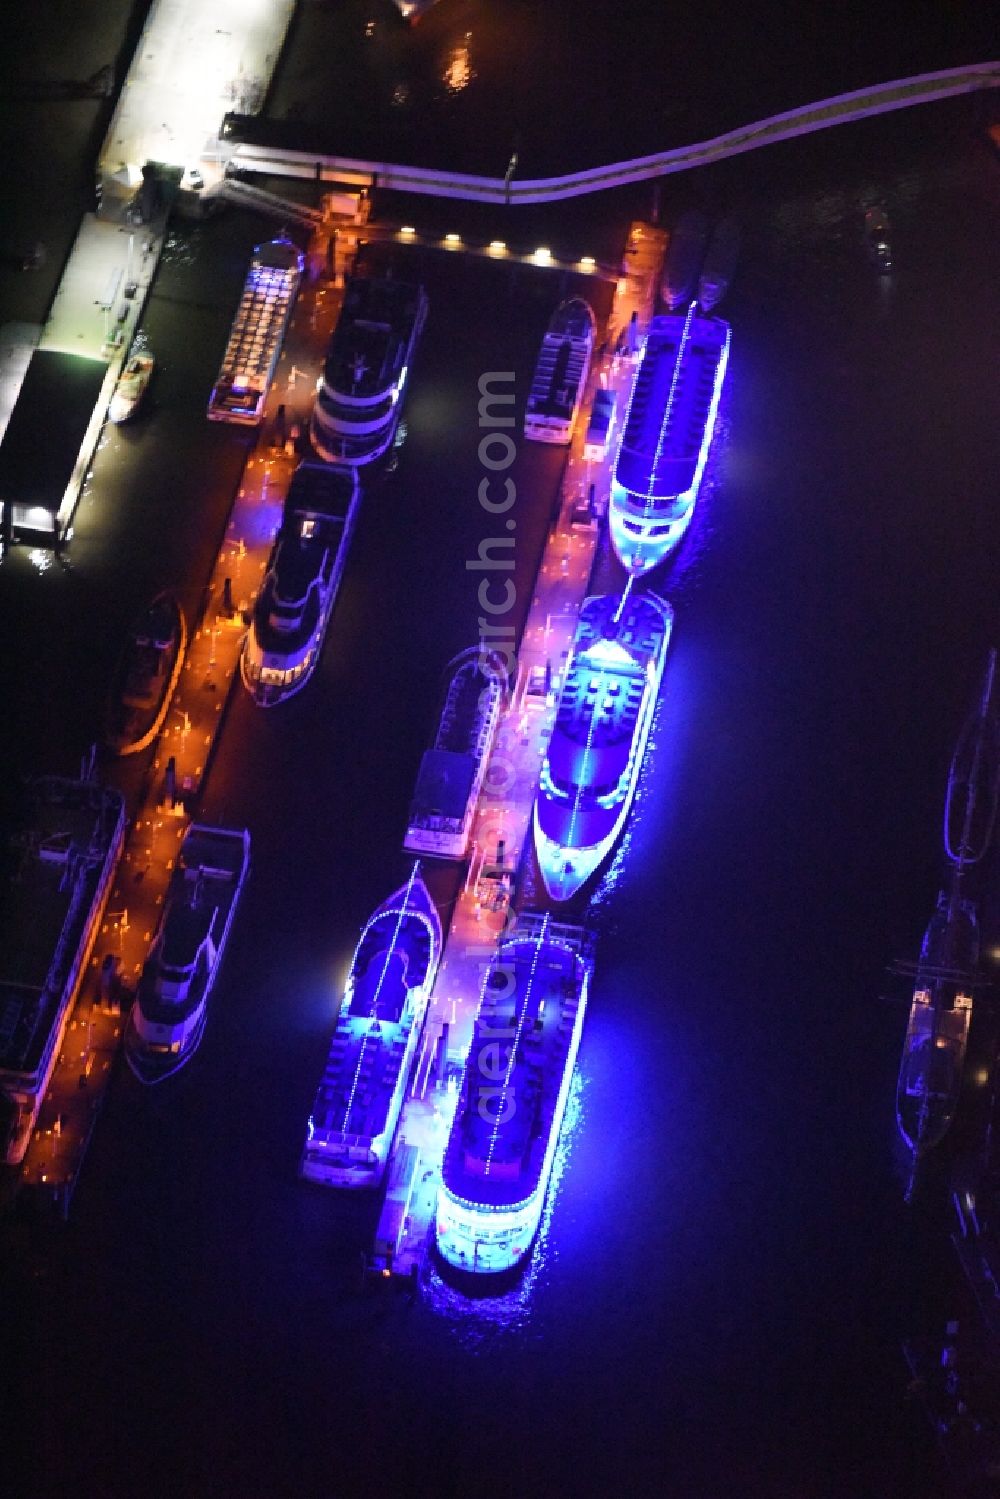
[94, 1032]
[505, 804]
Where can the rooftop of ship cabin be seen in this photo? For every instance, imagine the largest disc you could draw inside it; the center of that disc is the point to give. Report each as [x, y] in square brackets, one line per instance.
[501, 1163]
[444, 784]
[689, 397]
[366, 352]
[319, 490]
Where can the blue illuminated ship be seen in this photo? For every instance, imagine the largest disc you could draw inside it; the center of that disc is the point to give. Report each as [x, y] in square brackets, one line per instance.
[354, 1116]
[167, 1021]
[594, 756]
[667, 434]
[360, 397]
[296, 599]
[503, 1139]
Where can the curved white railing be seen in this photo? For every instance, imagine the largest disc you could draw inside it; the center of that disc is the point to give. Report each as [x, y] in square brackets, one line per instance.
[841, 109]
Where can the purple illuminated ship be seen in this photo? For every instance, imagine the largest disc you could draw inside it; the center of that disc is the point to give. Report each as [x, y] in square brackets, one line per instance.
[357, 1104]
[592, 764]
[503, 1139]
[666, 437]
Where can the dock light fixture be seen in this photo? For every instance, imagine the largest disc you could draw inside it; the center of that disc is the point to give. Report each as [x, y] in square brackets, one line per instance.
[542, 255]
[407, 231]
[453, 239]
[497, 247]
[587, 262]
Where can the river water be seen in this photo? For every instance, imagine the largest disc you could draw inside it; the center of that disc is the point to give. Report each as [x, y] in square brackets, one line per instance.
[726, 1270]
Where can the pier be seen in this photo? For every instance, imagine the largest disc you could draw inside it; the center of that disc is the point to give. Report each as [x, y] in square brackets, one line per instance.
[502, 828]
[177, 769]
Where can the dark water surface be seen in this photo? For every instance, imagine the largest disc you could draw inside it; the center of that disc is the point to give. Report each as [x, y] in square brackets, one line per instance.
[726, 1270]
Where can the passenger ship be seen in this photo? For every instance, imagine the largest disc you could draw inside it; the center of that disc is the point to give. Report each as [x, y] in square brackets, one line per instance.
[560, 377]
[594, 756]
[168, 1018]
[357, 1105]
[64, 859]
[452, 770]
[667, 434]
[360, 397]
[256, 336]
[499, 1155]
[293, 608]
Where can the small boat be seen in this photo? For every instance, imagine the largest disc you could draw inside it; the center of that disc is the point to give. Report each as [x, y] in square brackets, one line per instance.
[595, 754]
[167, 1021]
[146, 677]
[133, 382]
[877, 238]
[560, 376]
[720, 263]
[937, 1032]
[357, 1105]
[930, 1073]
[452, 770]
[685, 254]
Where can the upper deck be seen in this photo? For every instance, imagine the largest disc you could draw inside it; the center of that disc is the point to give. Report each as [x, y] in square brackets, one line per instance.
[393, 967]
[203, 889]
[515, 1076]
[371, 342]
[255, 338]
[603, 693]
[672, 407]
[314, 525]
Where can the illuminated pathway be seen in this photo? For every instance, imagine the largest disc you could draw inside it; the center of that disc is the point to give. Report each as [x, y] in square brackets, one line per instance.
[841, 109]
[505, 804]
[94, 1032]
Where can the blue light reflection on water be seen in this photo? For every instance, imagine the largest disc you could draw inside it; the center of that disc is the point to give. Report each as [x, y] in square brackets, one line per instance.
[477, 1320]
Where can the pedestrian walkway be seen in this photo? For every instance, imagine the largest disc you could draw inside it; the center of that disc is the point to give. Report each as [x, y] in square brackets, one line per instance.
[841, 109]
[503, 828]
[178, 767]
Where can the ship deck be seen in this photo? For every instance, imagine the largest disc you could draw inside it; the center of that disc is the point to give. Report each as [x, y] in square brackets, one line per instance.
[670, 406]
[498, 1142]
[368, 349]
[354, 1096]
